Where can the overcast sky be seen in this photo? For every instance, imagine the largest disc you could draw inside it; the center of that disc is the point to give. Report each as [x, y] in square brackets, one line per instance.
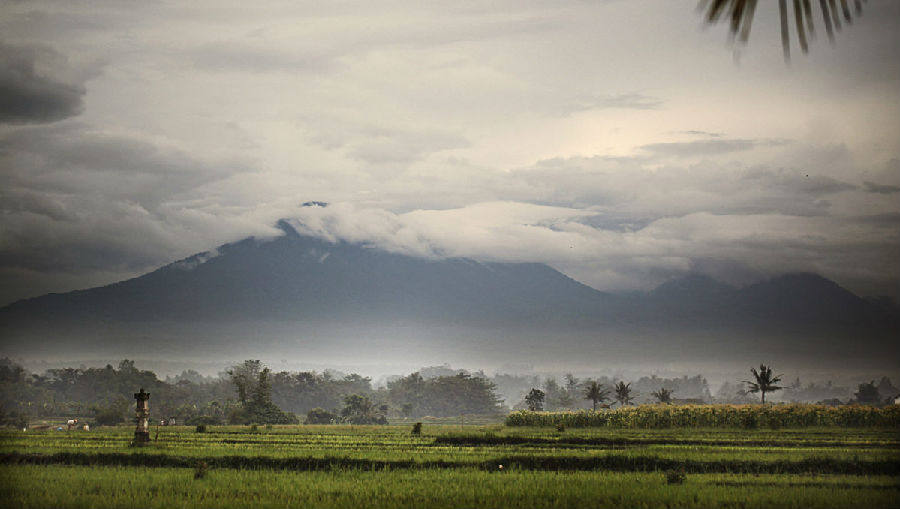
[622, 142]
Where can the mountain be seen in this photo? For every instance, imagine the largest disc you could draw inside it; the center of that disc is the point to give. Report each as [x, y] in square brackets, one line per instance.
[300, 295]
[295, 277]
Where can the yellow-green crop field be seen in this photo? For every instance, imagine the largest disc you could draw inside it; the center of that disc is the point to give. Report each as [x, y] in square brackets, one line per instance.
[453, 466]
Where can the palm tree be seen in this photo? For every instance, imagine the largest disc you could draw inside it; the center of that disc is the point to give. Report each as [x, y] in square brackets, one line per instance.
[623, 393]
[740, 16]
[663, 395]
[595, 392]
[764, 383]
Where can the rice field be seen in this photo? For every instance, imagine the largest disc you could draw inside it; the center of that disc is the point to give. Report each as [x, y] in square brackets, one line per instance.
[453, 466]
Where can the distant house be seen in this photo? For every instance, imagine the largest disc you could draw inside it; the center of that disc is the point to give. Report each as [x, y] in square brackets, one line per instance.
[897, 399]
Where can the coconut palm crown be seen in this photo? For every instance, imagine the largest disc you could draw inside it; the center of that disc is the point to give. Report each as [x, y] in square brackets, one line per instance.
[739, 14]
[764, 381]
[623, 393]
[663, 395]
[595, 392]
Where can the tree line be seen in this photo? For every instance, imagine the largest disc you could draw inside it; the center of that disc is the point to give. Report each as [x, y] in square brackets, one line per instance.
[762, 382]
[245, 393]
[250, 392]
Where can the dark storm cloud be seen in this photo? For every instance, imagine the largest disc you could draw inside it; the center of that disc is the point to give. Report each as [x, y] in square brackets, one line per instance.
[76, 199]
[29, 93]
[72, 158]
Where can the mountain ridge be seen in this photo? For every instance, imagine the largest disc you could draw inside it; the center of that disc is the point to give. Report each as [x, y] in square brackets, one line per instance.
[302, 290]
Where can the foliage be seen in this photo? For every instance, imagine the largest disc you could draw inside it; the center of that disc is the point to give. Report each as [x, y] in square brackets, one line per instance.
[244, 378]
[595, 392]
[115, 412]
[763, 381]
[417, 429]
[201, 470]
[204, 420]
[443, 395]
[709, 416]
[867, 394]
[557, 397]
[320, 416]
[535, 400]
[359, 409]
[675, 476]
[663, 395]
[739, 14]
[623, 393]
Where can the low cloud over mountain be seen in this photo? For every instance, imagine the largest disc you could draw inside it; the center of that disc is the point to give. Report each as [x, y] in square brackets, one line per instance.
[300, 293]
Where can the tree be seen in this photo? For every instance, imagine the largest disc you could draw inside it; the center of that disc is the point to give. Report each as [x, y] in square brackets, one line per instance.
[595, 392]
[254, 387]
[623, 393]
[555, 397]
[320, 416]
[359, 409]
[443, 395]
[114, 412]
[740, 16]
[867, 394]
[663, 395]
[572, 385]
[244, 376]
[535, 400]
[764, 381]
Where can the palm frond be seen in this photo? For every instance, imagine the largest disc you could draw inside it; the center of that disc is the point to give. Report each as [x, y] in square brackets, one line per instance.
[740, 19]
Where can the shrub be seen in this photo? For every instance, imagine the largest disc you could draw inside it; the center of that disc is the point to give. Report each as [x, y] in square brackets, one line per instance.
[112, 413]
[675, 476]
[417, 429]
[201, 428]
[320, 416]
[200, 470]
[208, 420]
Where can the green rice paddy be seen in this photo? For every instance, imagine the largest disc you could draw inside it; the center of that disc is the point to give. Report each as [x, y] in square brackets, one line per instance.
[452, 466]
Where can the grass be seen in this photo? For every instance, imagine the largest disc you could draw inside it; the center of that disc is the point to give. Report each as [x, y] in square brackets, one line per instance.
[452, 465]
[61, 486]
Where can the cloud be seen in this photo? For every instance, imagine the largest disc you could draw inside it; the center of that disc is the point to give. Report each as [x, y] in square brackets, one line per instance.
[735, 247]
[701, 148]
[32, 89]
[630, 101]
[236, 56]
[702, 133]
[76, 199]
[872, 187]
[387, 142]
[73, 158]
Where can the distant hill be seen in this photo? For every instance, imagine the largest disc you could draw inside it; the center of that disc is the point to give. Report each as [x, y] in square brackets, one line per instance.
[296, 293]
